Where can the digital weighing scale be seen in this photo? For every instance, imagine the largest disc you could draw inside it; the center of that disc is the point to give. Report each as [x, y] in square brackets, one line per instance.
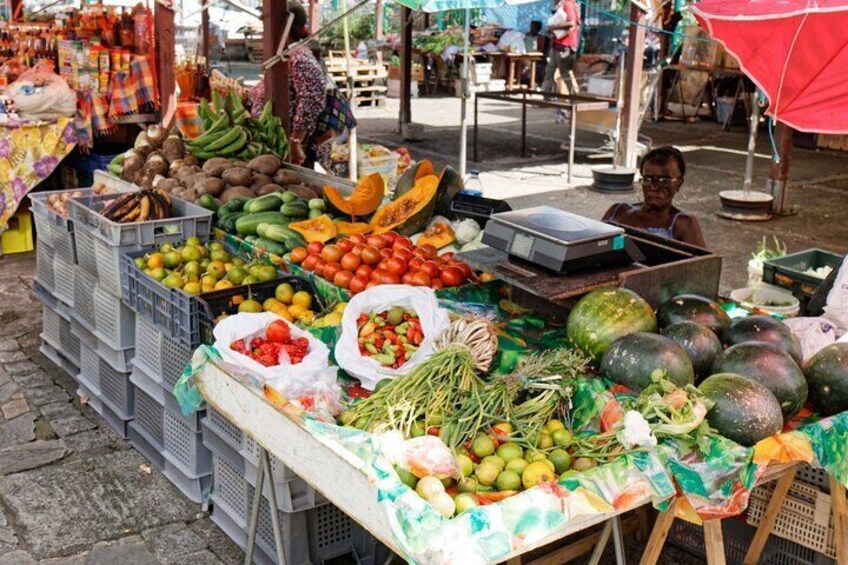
[559, 240]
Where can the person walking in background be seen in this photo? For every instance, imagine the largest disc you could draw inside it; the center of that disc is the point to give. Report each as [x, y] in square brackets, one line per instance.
[564, 26]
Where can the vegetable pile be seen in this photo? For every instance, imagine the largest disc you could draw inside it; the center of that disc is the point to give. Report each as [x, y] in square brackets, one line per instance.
[389, 337]
[277, 347]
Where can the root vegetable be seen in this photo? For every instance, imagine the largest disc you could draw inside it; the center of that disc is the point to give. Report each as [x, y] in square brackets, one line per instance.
[265, 164]
[216, 166]
[286, 176]
[173, 148]
[237, 176]
[210, 185]
[268, 189]
[260, 180]
[236, 192]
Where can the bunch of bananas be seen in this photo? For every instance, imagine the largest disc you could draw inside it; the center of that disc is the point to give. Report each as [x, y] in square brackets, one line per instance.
[139, 206]
[229, 131]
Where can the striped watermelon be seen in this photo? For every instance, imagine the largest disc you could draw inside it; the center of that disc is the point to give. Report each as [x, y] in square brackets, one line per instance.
[606, 314]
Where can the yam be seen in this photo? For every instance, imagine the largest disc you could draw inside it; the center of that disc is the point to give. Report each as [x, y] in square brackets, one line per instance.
[236, 192]
[190, 160]
[189, 194]
[175, 166]
[157, 165]
[216, 166]
[157, 135]
[286, 176]
[265, 164]
[210, 185]
[132, 164]
[260, 180]
[237, 176]
[268, 189]
[173, 148]
[304, 191]
[168, 185]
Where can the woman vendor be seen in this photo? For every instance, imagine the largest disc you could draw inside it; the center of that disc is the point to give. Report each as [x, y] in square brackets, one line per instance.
[662, 171]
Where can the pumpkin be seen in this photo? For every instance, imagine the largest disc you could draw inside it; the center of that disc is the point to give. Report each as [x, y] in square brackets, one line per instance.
[437, 234]
[410, 213]
[320, 229]
[450, 184]
[410, 175]
[351, 228]
[363, 201]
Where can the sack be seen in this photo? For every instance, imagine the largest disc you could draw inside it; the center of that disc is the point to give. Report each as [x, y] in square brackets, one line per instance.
[288, 379]
[813, 333]
[836, 309]
[434, 320]
[558, 18]
[41, 95]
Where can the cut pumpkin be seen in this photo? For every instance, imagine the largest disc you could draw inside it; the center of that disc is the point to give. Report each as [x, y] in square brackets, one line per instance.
[352, 228]
[410, 213]
[363, 201]
[438, 234]
[424, 168]
[320, 229]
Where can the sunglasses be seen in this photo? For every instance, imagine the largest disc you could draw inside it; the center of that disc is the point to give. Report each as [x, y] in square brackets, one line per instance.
[661, 183]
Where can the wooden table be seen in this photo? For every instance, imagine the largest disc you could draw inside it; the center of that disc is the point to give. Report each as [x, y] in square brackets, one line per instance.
[517, 61]
[573, 103]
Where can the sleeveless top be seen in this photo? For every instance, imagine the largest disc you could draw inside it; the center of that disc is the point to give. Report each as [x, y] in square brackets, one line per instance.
[663, 232]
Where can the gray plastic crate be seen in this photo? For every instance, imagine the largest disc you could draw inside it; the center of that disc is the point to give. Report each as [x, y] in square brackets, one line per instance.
[90, 369]
[86, 246]
[238, 535]
[51, 325]
[162, 358]
[69, 342]
[149, 410]
[64, 273]
[814, 477]
[59, 359]
[85, 285]
[165, 396]
[196, 489]
[43, 233]
[144, 445]
[114, 322]
[118, 391]
[44, 257]
[55, 230]
[118, 424]
[184, 447]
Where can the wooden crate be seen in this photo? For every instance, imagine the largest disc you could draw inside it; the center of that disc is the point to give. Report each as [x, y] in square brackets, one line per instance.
[832, 141]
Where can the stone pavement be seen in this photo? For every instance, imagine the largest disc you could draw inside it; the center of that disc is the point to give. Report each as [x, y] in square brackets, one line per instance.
[71, 491]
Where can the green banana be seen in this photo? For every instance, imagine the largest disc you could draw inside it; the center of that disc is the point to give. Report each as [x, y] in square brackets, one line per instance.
[225, 140]
[235, 146]
[219, 127]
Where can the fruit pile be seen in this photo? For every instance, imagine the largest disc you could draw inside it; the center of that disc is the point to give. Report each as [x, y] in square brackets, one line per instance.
[195, 267]
[277, 347]
[291, 305]
[389, 337]
[140, 206]
[358, 262]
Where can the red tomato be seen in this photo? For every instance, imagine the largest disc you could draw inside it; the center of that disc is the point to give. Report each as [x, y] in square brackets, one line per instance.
[391, 278]
[466, 270]
[407, 278]
[383, 265]
[357, 284]
[278, 331]
[351, 261]
[345, 245]
[318, 269]
[376, 241]
[332, 254]
[343, 279]
[396, 266]
[315, 247]
[298, 254]
[386, 253]
[389, 238]
[371, 284]
[431, 268]
[429, 251]
[415, 263]
[447, 255]
[330, 270]
[402, 253]
[437, 284]
[357, 248]
[421, 279]
[309, 262]
[364, 271]
[452, 276]
[357, 239]
[356, 391]
[378, 276]
[402, 243]
[371, 255]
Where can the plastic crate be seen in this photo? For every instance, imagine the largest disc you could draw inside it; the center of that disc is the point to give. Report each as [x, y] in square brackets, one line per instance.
[44, 258]
[85, 244]
[149, 409]
[69, 342]
[815, 477]
[58, 359]
[184, 447]
[788, 272]
[51, 325]
[85, 285]
[690, 537]
[166, 398]
[89, 374]
[196, 489]
[64, 274]
[144, 445]
[55, 230]
[161, 357]
[221, 518]
[114, 323]
[117, 390]
[118, 424]
[42, 229]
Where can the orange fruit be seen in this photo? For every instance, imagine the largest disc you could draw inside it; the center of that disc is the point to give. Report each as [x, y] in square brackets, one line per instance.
[224, 283]
[238, 298]
[155, 260]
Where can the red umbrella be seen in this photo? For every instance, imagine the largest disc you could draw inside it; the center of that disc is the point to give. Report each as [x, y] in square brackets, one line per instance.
[796, 51]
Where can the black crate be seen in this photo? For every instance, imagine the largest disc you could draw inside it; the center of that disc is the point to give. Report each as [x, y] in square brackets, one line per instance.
[788, 272]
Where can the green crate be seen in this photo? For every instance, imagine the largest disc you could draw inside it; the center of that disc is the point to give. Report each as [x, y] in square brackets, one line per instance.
[788, 272]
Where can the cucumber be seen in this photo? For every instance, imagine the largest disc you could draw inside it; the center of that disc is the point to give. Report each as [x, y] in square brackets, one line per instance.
[292, 242]
[231, 207]
[295, 209]
[262, 244]
[280, 234]
[228, 222]
[250, 238]
[316, 204]
[208, 201]
[315, 213]
[263, 203]
[287, 197]
[246, 225]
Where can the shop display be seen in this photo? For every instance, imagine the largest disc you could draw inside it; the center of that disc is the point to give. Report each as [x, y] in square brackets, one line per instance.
[634, 360]
[275, 348]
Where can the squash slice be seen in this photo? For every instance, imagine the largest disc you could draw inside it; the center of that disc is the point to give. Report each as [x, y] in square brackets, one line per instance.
[320, 229]
[410, 213]
[351, 228]
[363, 201]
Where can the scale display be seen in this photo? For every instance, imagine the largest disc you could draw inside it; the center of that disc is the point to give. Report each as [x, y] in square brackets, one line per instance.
[522, 245]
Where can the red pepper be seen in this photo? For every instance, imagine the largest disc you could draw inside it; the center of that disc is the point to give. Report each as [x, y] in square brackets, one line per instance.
[433, 431]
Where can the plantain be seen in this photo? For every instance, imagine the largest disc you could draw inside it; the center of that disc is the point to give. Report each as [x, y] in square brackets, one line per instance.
[116, 204]
[144, 208]
[235, 146]
[132, 216]
[163, 202]
[219, 126]
[128, 206]
[226, 140]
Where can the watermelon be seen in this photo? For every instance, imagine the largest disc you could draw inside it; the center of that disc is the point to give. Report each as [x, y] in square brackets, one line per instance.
[827, 375]
[770, 366]
[745, 411]
[764, 329]
[700, 343]
[606, 314]
[693, 308]
[635, 359]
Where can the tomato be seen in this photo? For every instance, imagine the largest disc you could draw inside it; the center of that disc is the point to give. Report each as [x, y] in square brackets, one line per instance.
[371, 284]
[404, 254]
[351, 261]
[298, 254]
[371, 255]
[343, 279]
[447, 255]
[357, 249]
[376, 241]
[402, 243]
[315, 247]
[389, 238]
[356, 391]
[391, 278]
[278, 331]
[421, 279]
[332, 254]
[386, 253]
[319, 266]
[429, 251]
[407, 278]
[357, 284]
[437, 284]
[330, 270]
[357, 239]
[466, 270]
[431, 268]
[309, 262]
[383, 265]
[345, 245]
[364, 271]
[379, 275]
[396, 266]
[452, 276]
[415, 263]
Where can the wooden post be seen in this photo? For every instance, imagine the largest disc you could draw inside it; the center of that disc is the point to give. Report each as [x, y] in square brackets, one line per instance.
[204, 35]
[406, 67]
[15, 10]
[625, 154]
[274, 15]
[658, 535]
[758, 543]
[778, 181]
[314, 15]
[378, 28]
[839, 509]
[163, 29]
[714, 542]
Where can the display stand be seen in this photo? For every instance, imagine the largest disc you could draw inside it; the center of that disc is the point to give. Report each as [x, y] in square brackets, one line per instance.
[714, 542]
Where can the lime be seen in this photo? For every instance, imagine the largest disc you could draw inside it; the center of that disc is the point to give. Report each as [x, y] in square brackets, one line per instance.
[191, 253]
[487, 473]
[346, 418]
[517, 465]
[562, 438]
[140, 262]
[249, 280]
[554, 425]
[535, 473]
[238, 262]
[544, 441]
[494, 460]
[533, 456]
[466, 466]
[561, 460]
[174, 280]
[482, 446]
[192, 268]
[509, 451]
[468, 484]
[303, 298]
[158, 273]
[220, 255]
[166, 247]
[236, 275]
[192, 288]
[172, 259]
[268, 303]
[194, 241]
[465, 501]
[417, 429]
[250, 305]
[447, 481]
[508, 480]
[215, 246]
[265, 273]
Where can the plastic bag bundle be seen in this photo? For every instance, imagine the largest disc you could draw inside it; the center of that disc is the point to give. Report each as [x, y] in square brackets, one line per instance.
[836, 309]
[41, 95]
[813, 333]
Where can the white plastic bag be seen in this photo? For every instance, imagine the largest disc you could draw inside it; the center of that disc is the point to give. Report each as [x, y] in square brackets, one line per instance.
[559, 18]
[422, 301]
[40, 95]
[813, 333]
[288, 379]
[836, 309]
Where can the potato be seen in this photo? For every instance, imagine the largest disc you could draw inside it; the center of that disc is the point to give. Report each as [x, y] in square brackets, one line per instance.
[304, 191]
[168, 185]
[236, 192]
[195, 179]
[173, 148]
[210, 185]
[286, 176]
[157, 164]
[184, 174]
[176, 166]
[188, 194]
[260, 180]
[216, 166]
[268, 189]
[265, 164]
[237, 176]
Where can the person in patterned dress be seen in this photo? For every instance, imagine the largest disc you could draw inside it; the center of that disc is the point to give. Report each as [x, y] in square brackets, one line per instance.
[318, 111]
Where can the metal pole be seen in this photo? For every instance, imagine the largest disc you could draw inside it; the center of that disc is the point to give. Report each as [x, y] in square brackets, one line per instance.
[618, 541]
[275, 515]
[752, 145]
[463, 121]
[352, 144]
[254, 513]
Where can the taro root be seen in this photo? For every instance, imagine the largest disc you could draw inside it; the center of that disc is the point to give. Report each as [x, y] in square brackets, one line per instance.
[209, 185]
[173, 148]
[268, 189]
[286, 176]
[303, 191]
[260, 180]
[156, 135]
[168, 185]
[156, 164]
